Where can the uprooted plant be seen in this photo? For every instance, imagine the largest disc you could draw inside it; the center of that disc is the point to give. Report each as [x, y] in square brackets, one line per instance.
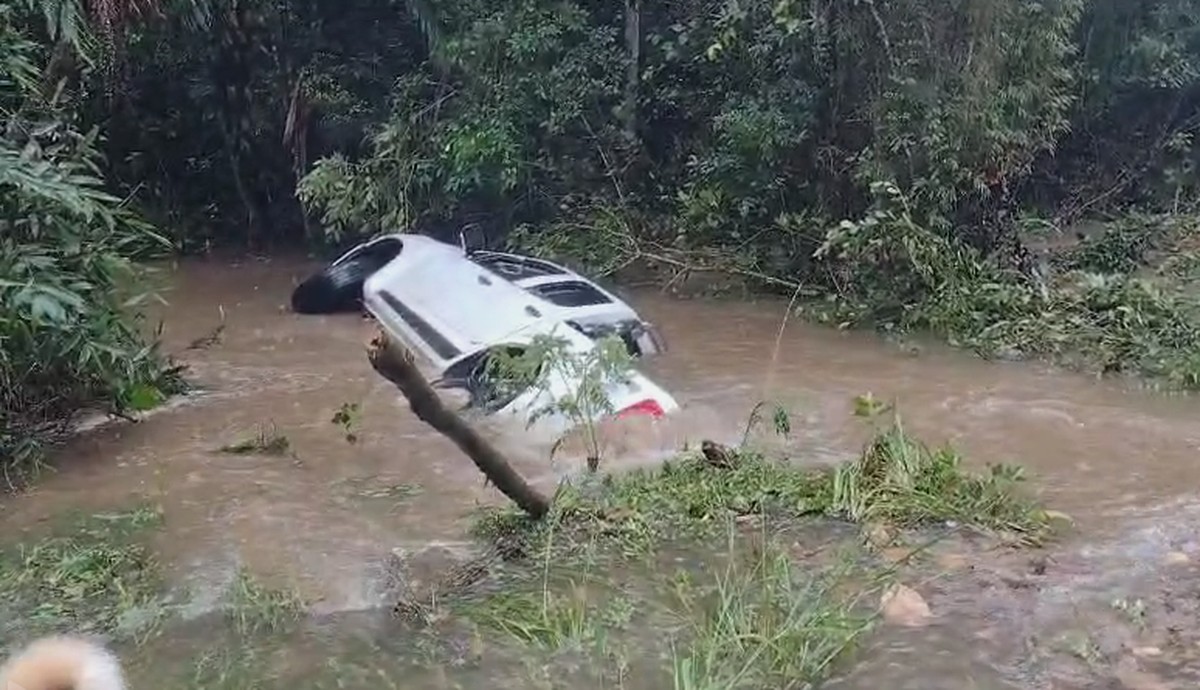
[565, 381]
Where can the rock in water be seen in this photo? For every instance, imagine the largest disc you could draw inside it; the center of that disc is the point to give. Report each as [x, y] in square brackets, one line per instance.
[902, 606]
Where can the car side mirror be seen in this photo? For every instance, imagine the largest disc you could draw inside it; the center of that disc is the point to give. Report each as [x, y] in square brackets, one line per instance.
[471, 238]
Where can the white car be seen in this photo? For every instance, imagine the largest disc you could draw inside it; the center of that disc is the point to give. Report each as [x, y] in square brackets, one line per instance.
[455, 308]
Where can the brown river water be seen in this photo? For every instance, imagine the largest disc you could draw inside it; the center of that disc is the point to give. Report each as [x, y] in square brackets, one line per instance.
[1123, 461]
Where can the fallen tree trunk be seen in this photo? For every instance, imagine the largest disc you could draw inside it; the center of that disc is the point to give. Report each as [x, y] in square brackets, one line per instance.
[395, 363]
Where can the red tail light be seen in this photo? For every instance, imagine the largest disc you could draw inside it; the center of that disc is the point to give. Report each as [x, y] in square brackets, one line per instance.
[646, 407]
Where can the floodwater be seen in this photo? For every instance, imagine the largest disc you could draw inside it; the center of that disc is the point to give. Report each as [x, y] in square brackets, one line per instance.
[1123, 461]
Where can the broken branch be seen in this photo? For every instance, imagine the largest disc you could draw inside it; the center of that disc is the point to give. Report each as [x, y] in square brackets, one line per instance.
[395, 363]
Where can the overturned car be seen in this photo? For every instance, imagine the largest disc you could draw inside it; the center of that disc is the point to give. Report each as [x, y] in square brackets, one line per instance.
[459, 309]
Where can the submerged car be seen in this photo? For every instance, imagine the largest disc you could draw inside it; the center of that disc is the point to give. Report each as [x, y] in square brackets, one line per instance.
[459, 308]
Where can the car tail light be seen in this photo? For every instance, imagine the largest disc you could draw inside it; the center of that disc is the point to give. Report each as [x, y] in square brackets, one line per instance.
[648, 406]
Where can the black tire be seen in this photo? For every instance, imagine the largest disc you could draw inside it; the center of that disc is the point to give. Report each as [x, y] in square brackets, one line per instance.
[335, 289]
[339, 288]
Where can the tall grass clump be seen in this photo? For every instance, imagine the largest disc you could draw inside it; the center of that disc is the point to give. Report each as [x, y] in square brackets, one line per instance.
[901, 481]
[765, 623]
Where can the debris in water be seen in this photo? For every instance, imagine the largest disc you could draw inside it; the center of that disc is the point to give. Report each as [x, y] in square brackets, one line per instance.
[716, 454]
[349, 418]
[1058, 516]
[214, 337]
[879, 535]
[267, 441]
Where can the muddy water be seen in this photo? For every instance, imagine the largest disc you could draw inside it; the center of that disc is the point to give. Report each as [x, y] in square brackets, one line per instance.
[1121, 460]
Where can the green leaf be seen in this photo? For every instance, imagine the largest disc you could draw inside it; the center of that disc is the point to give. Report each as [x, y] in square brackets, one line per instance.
[144, 397]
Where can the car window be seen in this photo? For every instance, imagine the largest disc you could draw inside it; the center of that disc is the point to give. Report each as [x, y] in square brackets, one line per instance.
[572, 293]
[625, 330]
[490, 384]
[515, 267]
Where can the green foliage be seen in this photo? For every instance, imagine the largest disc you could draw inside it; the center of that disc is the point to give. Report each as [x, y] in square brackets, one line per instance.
[765, 624]
[549, 359]
[1122, 247]
[899, 274]
[93, 576]
[759, 125]
[67, 284]
[896, 480]
[740, 112]
[538, 83]
[222, 105]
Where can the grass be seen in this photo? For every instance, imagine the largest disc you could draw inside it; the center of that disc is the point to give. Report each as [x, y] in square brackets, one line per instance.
[763, 624]
[897, 480]
[98, 577]
[546, 619]
[240, 668]
[253, 607]
[96, 574]
[900, 481]
[766, 620]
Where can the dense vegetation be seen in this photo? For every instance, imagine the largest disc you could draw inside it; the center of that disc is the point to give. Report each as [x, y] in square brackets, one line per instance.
[897, 163]
[66, 274]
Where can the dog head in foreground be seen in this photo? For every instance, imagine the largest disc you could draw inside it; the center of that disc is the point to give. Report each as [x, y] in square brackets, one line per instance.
[62, 663]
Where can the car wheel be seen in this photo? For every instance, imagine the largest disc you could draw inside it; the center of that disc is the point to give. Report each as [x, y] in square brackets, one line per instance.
[337, 288]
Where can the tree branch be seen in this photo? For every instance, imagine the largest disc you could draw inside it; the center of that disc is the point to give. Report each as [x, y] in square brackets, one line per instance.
[395, 363]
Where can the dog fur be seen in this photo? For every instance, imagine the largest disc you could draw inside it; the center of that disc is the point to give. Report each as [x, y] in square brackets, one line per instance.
[62, 663]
